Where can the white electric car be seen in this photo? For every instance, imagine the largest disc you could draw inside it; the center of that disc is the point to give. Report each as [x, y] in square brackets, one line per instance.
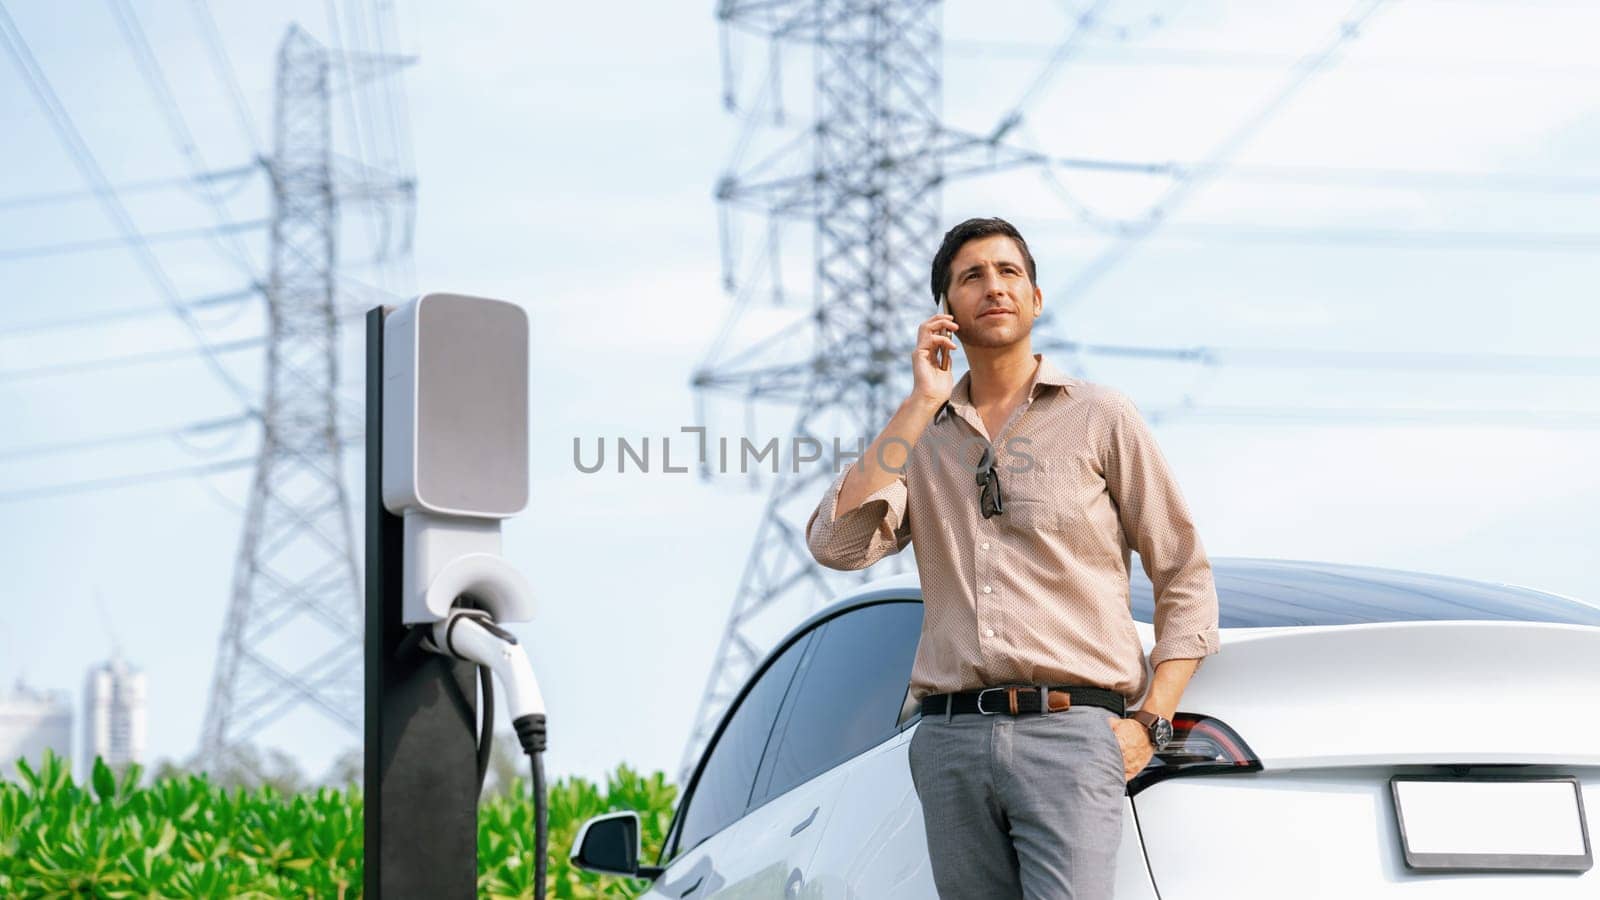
[1362, 734]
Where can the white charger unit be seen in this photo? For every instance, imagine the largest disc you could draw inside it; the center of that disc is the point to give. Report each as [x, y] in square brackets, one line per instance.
[455, 450]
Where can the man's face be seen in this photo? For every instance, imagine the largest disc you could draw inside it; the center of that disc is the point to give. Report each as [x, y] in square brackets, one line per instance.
[991, 296]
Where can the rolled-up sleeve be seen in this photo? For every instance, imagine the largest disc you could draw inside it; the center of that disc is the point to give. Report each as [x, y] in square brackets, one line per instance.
[857, 538]
[1158, 526]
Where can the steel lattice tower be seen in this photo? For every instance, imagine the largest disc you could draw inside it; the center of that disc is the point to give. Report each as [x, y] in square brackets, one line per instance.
[868, 182]
[292, 635]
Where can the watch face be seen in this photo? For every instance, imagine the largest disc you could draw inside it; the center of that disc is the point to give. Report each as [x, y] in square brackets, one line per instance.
[1161, 734]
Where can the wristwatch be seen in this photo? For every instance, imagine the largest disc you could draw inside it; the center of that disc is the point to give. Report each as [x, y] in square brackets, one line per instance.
[1160, 729]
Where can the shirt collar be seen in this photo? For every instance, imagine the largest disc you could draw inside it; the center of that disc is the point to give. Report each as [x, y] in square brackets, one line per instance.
[1044, 374]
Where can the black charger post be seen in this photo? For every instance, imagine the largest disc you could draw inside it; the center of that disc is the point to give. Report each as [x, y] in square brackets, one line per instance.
[421, 785]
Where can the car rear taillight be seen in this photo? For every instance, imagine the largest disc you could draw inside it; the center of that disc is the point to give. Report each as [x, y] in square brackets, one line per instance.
[1200, 745]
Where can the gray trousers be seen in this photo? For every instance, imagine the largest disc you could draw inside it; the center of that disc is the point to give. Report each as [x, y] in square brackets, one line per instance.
[1028, 807]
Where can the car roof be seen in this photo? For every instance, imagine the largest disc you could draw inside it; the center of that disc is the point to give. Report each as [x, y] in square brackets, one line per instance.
[1296, 581]
[1339, 585]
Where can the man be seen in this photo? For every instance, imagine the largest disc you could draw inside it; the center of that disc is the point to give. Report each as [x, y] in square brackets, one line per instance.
[1024, 491]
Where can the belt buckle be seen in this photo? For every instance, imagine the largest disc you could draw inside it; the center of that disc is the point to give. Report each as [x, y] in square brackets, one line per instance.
[981, 710]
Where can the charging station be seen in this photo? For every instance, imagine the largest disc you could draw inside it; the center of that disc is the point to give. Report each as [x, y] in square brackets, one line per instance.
[447, 460]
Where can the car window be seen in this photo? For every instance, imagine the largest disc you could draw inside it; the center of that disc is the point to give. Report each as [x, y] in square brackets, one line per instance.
[846, 696]
[1264, 597]
[722, 792]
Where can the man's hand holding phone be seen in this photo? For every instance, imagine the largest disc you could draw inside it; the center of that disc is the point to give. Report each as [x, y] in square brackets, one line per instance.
[942, 357]
[930, 362]
[885, 459]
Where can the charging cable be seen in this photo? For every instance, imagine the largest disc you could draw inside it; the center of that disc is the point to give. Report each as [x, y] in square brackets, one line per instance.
[472, 635]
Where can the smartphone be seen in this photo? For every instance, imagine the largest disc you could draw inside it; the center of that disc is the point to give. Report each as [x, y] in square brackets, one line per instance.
[941, 356]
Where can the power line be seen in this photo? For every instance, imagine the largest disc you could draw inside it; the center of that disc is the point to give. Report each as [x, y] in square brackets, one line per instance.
[391, 88]
[1520, 418]
[1408, 239]
[1398, 178]
[132, 187]
[1519, 8]
[150, 70]
[1006, 156]
[1377, 238]
[153, 237]
[1314, 358]
[1178, 193]
[93, 320]
[121, 481]
[1122, 55]
[1388, 178]
[130, 437]
[1069, 44]
[357, 114]
[1530, 182]
[131, 359]
[403, 164]
[376, 120]
[222, 64]
[70, 138]
[1347, 360]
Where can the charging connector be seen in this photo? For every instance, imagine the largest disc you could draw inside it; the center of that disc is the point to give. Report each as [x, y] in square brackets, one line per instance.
[472, 635]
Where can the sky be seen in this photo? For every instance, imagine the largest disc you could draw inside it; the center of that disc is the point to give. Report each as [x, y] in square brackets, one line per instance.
[566, 158]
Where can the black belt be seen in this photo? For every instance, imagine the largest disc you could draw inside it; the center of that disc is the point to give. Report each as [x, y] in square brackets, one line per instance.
[1024, 698]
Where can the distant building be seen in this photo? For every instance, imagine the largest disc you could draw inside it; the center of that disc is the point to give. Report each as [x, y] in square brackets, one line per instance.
[113, 715]
[31, 722]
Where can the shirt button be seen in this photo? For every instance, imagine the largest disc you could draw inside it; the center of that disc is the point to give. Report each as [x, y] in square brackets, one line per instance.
[987, 589]
[988, 632]
[985, 545]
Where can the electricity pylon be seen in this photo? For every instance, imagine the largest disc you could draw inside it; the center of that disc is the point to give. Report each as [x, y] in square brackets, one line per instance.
[292, 636]
[864, 178]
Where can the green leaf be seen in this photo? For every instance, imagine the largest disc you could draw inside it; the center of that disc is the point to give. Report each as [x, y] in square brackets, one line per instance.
[169, 833]
[105, 781]
[29, 777]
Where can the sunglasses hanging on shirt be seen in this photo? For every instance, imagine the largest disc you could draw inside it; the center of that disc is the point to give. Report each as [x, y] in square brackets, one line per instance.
[989, 500]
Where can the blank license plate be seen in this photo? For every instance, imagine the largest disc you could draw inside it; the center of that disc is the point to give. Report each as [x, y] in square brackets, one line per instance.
[1493, 824]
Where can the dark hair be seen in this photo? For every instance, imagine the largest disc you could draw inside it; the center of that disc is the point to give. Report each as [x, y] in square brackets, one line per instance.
[971, 230]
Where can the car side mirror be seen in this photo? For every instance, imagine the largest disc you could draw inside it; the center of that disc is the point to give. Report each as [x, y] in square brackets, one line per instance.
[609, 844]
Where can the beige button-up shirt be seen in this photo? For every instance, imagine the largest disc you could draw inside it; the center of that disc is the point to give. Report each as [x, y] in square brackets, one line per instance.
[1039, 593]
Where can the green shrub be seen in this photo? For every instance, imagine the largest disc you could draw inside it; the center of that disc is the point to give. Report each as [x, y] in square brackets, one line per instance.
[184, 837]
[505, 834]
